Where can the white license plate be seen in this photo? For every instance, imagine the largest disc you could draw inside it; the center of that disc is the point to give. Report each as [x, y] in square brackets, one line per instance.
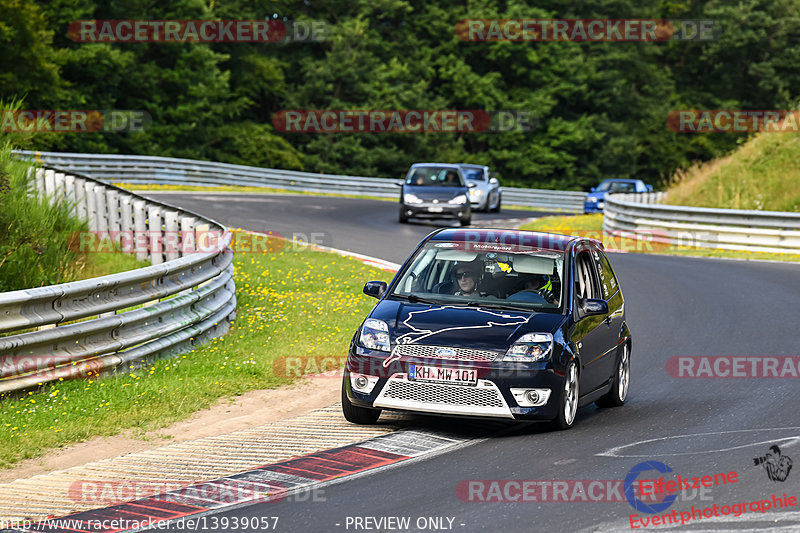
[434, 374]
[435, 209]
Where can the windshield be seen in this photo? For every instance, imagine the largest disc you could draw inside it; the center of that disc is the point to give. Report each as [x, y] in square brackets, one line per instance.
[475, 174]
[459, 273]
[434, 177]
[617, 186]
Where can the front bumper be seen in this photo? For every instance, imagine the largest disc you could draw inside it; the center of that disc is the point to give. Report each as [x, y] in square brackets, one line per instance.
[490, 398]
[436, 210]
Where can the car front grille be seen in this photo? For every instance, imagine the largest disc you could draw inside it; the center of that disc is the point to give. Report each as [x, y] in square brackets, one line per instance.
[407, 391]
[458, 354]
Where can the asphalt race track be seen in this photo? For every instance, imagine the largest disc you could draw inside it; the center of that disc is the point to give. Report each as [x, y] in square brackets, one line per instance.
[358, 225]
[675, 307]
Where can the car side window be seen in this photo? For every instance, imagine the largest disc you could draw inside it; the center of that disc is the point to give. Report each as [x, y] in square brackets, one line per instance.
[585, 277]
[608, 281]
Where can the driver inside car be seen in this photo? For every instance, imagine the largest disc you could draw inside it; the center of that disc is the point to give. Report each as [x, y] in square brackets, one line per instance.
[467, 276]
[534, 286]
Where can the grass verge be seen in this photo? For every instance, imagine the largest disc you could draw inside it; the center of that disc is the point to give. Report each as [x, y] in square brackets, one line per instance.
[762, 174]
[293, 302]
[94, 265]
[592, 226]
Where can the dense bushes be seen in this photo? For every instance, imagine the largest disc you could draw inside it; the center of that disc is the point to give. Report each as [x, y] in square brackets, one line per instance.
[34, 247]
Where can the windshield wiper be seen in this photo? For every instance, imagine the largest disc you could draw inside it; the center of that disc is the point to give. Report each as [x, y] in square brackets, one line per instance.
[414, 299]
[477, 303]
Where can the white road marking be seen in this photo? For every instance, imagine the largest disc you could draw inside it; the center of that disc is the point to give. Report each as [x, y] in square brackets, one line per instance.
[790, 441]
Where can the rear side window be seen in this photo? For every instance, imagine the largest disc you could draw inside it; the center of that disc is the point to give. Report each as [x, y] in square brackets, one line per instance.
[608, 281]
[585, 277]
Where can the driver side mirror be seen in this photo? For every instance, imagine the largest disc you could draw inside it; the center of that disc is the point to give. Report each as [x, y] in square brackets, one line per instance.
[591, 306]
[493, 181]
[376, 289]
[399, 183]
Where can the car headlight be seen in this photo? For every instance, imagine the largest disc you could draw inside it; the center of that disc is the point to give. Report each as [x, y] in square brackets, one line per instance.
[474, 194]
[530, 347]
[375, 335]
[460, 199]
[411, 198]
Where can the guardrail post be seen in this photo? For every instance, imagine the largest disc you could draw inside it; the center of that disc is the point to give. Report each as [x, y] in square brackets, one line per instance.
[38, 179]
[100, 209]
[202, 236]
[156, 235]
[69, 193]
[58, 179]
[112, 204]
[49, 184]
[141, 243]
[80, 198]
[126, 223]
[171, 236]
[187, 235]
[91, 205]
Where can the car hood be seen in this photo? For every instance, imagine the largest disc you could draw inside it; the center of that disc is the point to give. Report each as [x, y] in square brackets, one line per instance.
[468, 327]
[434, 193]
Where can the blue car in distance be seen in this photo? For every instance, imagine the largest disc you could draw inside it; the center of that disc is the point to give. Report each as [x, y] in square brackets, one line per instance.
[596, 199]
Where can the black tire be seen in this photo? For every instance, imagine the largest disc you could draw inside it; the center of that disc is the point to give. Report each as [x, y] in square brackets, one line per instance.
[569, 393]
[403, 218]
[465, 221]
[622, 379]
[353, 413]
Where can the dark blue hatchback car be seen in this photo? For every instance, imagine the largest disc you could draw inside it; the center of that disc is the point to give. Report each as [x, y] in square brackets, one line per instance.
[495, 324]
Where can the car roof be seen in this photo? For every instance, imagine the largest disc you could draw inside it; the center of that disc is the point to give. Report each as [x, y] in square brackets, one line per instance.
[622, 180]
[535, 239]
[446, 165]
[472, 165]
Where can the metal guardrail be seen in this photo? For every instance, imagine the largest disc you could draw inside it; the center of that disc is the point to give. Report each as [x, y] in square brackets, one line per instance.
[700, 227]
[187, 296]
[172, 171]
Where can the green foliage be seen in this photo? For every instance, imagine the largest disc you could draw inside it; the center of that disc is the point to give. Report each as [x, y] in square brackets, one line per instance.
[601, 108]
[34, 249]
